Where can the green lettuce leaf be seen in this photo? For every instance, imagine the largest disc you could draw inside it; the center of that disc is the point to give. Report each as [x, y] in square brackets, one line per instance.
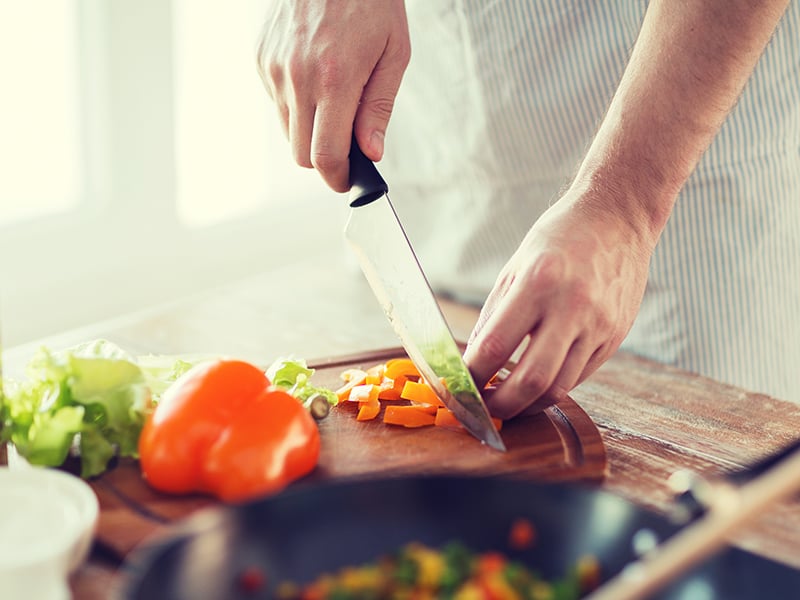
[95, 391]
[294, 376]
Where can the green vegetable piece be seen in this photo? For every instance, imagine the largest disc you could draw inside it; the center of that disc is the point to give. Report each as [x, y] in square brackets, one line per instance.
[294, 376]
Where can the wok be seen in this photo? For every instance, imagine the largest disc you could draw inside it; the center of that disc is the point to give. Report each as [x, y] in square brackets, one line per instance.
[311, 529]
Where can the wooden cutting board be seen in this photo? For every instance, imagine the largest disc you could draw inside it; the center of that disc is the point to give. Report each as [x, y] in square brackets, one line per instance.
[561, 443]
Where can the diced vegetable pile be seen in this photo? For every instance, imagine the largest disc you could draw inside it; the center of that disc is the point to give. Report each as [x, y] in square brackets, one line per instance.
[397, 387]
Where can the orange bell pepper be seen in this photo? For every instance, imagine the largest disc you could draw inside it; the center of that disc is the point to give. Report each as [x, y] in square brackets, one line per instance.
[401, 367]
[351, 378]
[223, 429]
[421, 392]
[409, 416]
[445, 418]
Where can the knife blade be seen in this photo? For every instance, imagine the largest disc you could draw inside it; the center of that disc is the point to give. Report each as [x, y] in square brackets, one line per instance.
[392, 270]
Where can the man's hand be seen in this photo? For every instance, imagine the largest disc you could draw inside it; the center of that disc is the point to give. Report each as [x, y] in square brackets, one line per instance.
[333, 69]
[573, 288]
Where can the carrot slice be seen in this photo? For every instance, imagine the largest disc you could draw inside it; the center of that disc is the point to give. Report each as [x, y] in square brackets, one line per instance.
[366, 392]
[353, 374]
[375, 374]
[398, 367]
[445, 418]
[419, 391]
[368, 411]
[353, 378]
[408, 416]
[388, 391]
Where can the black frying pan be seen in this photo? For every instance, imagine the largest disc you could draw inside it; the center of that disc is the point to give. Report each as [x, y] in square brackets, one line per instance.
[316, 528]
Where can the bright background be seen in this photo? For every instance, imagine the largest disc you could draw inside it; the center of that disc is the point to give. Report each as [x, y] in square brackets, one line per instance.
[140, 160]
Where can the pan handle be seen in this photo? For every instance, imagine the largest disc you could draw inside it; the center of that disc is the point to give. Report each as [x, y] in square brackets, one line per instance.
[366, 184]
[695, 494]
[731, 509]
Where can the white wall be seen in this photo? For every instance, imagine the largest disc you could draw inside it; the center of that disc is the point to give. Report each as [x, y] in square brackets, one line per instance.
[131, 241]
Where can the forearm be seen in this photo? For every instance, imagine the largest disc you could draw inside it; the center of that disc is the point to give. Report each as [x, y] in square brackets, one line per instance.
[687, 70]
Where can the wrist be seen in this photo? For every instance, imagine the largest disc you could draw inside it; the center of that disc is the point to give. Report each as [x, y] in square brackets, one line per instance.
[636, 193]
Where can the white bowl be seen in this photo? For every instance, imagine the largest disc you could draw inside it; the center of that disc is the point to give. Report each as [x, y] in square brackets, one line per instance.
[47, 522]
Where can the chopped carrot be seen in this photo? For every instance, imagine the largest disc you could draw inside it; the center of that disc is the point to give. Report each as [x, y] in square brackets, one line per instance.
[397, 367]
[388, 391]
[364, 393]
[352, 378]
[408, 416]
[375, 374]
[368, 411]
[354, 374]
[445, 418]
[397, 379]
[421, 392]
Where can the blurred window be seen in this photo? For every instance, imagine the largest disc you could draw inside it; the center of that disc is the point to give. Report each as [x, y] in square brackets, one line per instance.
[231, 155]
[40, 127]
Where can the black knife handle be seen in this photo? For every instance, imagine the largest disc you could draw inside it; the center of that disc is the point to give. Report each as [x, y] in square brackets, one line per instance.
[366, 184]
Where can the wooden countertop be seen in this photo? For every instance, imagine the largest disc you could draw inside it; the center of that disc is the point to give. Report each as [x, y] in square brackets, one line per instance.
[653, 419]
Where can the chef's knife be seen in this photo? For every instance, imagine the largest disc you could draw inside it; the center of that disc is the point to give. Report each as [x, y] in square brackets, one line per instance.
[395, 276]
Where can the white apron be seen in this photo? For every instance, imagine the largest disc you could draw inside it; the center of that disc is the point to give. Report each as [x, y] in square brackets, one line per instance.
[498, 105]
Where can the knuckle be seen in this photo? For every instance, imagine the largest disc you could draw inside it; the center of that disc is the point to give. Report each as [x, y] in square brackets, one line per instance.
[491, 349]
[331, 71]
[302, 159]
[324, 160]
[402, 52]
[534, 382]
[295, 70]
[381, 107]
[274, 73]
[548, 270]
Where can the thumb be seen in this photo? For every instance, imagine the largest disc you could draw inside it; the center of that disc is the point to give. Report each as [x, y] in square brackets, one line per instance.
[377, 103]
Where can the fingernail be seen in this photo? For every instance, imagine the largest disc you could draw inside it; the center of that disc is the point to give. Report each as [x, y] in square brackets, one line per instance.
[376, 143]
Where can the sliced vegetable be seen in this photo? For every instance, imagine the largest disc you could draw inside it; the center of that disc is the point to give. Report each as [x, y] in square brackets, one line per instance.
[224, 429]
[399, 381]
[445, 418]
[351, 378]
[401, 367]
[294, 376]
[420, 392]
[409, 416]
[367, 411]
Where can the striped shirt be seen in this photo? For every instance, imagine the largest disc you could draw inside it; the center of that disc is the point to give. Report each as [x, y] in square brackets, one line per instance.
[496, 110]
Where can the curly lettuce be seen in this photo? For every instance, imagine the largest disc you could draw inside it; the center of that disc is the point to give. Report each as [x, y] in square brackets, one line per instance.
[92, 398]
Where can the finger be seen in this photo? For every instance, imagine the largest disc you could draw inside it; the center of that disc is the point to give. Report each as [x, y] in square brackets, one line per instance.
[283, 115]
[544, 402]
[501, 289]
[377, 101]
[575, 363]
[504, 330]
[597, 358]
[535, 372]
[301, 123]
[330, 141]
